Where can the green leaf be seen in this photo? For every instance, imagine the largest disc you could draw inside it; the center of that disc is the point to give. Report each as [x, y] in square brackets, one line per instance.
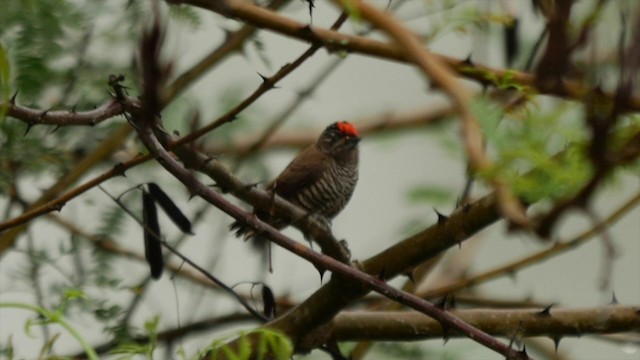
[5, 76]
[433, 195]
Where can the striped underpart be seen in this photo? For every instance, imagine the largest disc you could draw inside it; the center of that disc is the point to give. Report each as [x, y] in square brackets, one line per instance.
[331, 192]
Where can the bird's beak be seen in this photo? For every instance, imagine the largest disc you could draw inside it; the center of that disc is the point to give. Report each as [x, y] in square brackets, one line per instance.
[352, 141]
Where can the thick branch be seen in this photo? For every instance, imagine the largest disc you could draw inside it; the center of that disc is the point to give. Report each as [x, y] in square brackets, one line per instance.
[350, 278]
[517, 265]
[411, 325]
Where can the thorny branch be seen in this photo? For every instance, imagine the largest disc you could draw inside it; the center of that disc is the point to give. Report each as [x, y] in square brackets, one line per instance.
[147, 132]
[336, 41]
[337, 268]
[203, 162]
[557, 249]
[557, 323]
[93, 117]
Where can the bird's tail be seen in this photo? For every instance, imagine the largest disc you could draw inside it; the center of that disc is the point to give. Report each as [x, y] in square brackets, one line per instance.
[259, 243]
[241, 230]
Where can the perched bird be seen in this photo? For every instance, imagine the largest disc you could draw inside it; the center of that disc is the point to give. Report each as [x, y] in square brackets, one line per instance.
[320, 179]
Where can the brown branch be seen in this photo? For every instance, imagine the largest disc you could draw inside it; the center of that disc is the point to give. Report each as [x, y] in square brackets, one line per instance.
[344, 275]
[411, 325]
[335, 41]
[437, 70]
[233, 43]
[371, 126]
[44, 205]
[557, 249]
[33, 117]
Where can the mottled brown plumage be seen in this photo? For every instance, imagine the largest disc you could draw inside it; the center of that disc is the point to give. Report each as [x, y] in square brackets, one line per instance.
[320, 179]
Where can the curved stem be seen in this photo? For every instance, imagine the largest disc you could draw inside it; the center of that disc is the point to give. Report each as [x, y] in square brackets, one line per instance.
[56, 318]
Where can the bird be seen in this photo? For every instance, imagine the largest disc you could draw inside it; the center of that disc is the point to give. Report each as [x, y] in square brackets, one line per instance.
[320, 179]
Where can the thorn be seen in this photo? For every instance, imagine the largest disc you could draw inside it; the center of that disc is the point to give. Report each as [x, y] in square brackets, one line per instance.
[468, 61]
[252, 185]
[227, 34]
[12, 100]
[321, 271]
[445, 334]
[442, 303]
[264, 78]
[56, 128]
[441, 218]
[73, 109]
[452, 303]
[58, 207]
[43, 114]
[345, 248]
[524, 351]
[119, 169]
[381, 275]
[598, 89]
[29, 126]
[307, 32]
[546, 312]
[556, 342]
[409, 275]
[209, 159]
[614, 300]
[192, 194]
[466, 207]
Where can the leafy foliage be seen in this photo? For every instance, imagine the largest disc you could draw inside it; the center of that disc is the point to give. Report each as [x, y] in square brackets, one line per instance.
[47, 52]
[431, 194]
[553, 143]
[271, 344]
[130, 349]
[25, 155]
[186, 15]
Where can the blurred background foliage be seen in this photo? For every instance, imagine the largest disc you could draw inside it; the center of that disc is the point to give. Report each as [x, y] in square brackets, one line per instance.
[51, 57]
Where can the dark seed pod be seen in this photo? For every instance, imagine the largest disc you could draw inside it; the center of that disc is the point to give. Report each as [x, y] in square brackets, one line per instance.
[511, 44]
[170, 208]
[152, 245]
[269, 302]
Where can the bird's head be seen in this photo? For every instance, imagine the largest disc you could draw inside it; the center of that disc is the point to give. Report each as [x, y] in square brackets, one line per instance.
[339, 138]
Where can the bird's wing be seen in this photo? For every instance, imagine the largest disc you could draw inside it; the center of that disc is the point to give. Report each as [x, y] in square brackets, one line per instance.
[303, 171]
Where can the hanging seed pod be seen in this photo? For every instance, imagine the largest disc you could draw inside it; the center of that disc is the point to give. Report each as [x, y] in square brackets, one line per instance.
[511, 43]
[152, 245]
[269, 302]
[170, 208]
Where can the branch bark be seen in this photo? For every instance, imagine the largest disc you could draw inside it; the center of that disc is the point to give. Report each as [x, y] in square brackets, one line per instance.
[558, 323]
[336, 41]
